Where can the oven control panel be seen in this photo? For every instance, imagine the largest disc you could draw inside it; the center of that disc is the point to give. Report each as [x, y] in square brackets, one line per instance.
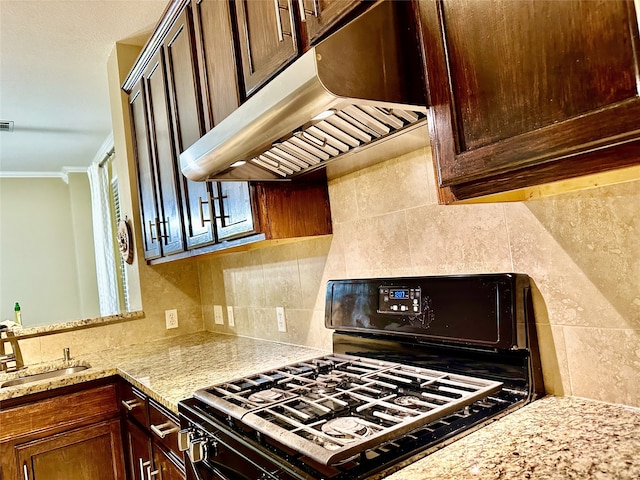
[399, 300]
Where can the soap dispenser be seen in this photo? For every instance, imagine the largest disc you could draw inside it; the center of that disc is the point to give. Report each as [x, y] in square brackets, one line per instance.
[17, 314]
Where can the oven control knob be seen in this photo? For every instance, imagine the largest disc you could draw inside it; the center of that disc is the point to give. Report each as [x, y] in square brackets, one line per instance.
[197, 449]
[183, 440]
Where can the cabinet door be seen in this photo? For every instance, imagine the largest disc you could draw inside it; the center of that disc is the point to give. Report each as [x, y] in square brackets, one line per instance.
[531, 91]
[138, 447]
[167, 468]
[163, 154]
[320, 15]
[84, 454]
[188, 123]
[217, 60]
[233, 209]
[146, 173]
[267, 37]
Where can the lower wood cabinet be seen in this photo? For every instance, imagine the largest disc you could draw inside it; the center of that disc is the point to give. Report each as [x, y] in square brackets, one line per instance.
[150, 438]
[70, 433]
[85, 453]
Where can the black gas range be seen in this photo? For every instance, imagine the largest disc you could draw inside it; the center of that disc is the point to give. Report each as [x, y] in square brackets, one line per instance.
[417, 362]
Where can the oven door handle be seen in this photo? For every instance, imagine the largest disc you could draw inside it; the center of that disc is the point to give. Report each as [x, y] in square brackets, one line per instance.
[217, 469]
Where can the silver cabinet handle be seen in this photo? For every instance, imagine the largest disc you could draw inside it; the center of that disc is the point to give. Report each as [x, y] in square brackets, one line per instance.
[164, 429]
[281, 32]
[150, 473]
[142, 466]
[25, 471]
[130, 404]
[201, 202]
[304, 12]
[276, 4]
[151, 225]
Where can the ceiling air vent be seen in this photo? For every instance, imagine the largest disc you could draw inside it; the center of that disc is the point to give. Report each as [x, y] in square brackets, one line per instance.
[6, 125]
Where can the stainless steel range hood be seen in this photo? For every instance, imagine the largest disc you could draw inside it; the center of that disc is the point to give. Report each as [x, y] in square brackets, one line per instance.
[360, 86]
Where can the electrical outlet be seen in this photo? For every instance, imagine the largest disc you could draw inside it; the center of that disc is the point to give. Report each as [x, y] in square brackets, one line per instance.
[232, 322]
[171, 318]
[217, 315]
[282, 322]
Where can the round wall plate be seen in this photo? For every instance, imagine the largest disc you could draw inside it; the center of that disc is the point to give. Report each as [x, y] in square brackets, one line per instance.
[125, 241]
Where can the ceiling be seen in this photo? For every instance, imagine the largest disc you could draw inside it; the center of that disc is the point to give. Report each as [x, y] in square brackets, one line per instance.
[53, 78]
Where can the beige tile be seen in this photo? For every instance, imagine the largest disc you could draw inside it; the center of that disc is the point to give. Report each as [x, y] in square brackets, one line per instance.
[553, 357]
[377, 243]
[244, 271]
[342, 197]
[282, 276]
[317, 335]
[243, 325]
[604, 363]
[458, 239]
[599, 230]
[313, 258]
[207, 316]
[570, 296]
[31, 350]
[393, 185]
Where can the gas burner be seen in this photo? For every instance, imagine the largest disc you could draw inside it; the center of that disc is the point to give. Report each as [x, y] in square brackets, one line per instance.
[345, 427]
[265, 396]
[408, 401]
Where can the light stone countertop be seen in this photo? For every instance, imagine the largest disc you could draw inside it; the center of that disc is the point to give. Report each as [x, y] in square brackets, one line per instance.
[551, 438]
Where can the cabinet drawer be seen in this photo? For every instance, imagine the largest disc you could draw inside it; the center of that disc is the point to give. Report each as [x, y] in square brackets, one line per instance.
[134, 404]
[59, 413]
[164, 427]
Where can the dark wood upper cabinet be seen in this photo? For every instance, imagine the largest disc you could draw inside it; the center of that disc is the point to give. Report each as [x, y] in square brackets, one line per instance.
[531, 91]
[267, 39]
[146, 173]
[217, 60]
[169, 225]
[320, 15]
[188, 124]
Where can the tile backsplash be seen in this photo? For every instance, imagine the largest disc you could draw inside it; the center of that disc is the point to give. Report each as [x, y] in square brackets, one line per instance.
[581, 249]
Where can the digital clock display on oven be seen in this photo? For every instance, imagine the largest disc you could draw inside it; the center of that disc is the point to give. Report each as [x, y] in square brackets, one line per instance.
[399, 294]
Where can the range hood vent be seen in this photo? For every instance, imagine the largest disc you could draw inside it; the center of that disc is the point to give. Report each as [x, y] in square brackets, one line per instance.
[360, 86]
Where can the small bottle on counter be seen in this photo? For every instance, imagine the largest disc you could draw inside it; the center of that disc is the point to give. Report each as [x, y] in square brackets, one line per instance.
[17, 314]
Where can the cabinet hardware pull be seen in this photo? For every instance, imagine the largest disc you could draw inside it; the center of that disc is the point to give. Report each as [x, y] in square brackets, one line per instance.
[164, 429]
[304, 12]
[200, 203]
[276, 4]
[142, 465]
[281, 32]
[130, 404]
[150, 473]
[151, 225]
[220, 201]
[25, 471]
[166, 235]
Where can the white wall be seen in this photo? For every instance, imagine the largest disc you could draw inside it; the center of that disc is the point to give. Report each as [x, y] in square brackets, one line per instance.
[41, 264]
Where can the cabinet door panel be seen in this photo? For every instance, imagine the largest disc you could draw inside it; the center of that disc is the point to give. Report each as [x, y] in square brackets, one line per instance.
[524, 92]
[233, 209]
[163, 150]
[138, 447]
[167, 469]
[188, 126]
[320, 15]
[83, 454]
[268, 39]
[146, 174]
[217, 60]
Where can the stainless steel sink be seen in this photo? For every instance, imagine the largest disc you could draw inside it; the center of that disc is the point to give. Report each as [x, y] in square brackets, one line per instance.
[43, 376]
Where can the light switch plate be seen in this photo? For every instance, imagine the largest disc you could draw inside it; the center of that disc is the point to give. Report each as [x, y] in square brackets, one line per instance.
[282, 322]
[232, 322]
[217, 315]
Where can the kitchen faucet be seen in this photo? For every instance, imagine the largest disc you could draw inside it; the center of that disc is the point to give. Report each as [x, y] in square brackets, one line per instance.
[15, 356]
